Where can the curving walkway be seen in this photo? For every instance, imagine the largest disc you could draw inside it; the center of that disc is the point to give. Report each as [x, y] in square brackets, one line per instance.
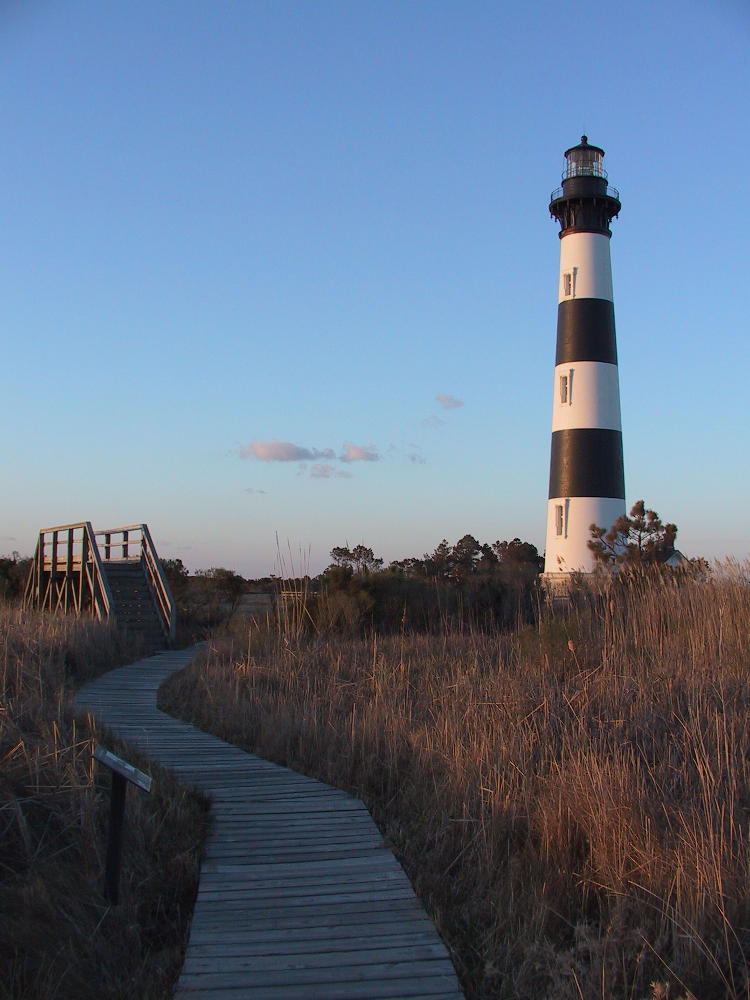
[298, 897]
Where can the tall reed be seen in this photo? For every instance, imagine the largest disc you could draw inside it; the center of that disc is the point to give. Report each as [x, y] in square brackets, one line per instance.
[58, 937]
[570, 799]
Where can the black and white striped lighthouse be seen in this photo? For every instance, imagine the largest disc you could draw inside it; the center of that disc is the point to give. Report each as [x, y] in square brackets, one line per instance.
[586, 480]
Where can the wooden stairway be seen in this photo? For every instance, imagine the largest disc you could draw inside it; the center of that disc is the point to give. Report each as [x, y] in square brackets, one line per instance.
[134, 607]
[115, 573]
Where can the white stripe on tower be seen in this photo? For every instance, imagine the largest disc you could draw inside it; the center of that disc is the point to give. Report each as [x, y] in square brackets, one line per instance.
[586, 468]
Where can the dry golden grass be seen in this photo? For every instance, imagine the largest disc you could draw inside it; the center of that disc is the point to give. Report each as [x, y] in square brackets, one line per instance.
[58, 938]
[570, 800]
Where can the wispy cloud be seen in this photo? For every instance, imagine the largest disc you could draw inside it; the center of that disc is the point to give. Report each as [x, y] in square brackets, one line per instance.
[251, 489]
[448, 402]
[359, 453]
[283, 451]
[325, 471]
[433, 421]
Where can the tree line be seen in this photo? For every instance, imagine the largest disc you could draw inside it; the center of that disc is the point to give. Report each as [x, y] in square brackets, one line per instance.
[468, 581]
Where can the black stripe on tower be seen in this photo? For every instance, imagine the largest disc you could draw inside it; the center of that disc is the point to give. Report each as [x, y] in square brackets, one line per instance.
[586, 462]
[586, 332]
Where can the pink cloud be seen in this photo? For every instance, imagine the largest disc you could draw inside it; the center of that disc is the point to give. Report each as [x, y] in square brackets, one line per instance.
[448, 402]
[286, 451]
[359, 453]
[283, 451]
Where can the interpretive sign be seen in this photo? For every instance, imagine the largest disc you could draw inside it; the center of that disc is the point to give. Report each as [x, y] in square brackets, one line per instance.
[120, 766]
[122, 773]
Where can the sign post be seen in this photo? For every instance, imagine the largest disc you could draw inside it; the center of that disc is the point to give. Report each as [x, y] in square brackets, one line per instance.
[122, 773]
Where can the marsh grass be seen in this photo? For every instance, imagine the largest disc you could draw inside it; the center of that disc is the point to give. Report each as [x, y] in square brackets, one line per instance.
[571, 800]
[58, 938]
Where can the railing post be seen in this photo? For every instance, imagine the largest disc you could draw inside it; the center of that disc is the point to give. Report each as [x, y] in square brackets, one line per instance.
[107, 540]
[82, 577]
[114, 841]
[69, 582]
[122, 772]
[39, 569]
[53, 571]
[125, 544]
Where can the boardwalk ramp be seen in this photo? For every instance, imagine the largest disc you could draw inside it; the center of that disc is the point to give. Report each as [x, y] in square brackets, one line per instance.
[299, 899]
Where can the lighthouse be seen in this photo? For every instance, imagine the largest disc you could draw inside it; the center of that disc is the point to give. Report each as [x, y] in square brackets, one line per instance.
[586, 479]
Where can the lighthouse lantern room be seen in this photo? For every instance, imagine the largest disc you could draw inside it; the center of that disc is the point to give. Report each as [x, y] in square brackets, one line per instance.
[587, 483]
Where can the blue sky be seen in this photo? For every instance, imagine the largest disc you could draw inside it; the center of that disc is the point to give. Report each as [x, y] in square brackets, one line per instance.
[230, 224]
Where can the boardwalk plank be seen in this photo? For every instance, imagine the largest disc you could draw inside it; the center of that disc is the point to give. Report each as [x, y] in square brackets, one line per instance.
[396, 989]
[313, 976]
[318, 942]
[279, 961]
[380, 860]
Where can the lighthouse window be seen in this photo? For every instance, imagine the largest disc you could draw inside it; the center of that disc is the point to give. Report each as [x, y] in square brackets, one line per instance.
[568, 283]
[558, 519]
[563, 388]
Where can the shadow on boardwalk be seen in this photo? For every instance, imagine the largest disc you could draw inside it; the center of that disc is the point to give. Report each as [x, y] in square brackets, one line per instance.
[298, 898]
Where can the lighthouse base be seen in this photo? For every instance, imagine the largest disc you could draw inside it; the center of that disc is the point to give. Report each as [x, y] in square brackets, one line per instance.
[558, 588]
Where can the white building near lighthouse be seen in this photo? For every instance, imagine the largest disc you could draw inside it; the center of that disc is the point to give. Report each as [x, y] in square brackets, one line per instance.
[587, 483]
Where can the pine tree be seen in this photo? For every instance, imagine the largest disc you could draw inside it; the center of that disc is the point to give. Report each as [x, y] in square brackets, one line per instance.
[634, 539]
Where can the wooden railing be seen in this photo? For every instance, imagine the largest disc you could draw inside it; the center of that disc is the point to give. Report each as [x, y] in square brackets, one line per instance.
[133, 543]
[67, 573]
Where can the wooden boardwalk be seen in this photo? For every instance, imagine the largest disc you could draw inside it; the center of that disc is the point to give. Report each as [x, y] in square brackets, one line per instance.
[298, 898]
